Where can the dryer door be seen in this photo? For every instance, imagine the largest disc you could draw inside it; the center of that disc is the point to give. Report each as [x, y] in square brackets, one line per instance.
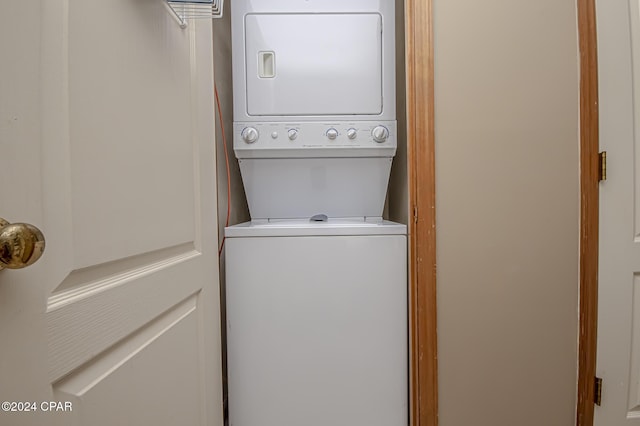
[313, 64]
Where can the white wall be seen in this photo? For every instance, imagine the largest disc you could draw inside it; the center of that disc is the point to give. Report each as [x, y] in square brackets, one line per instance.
[239, 210]
[223, 80]
[398, 194]
[506, 117]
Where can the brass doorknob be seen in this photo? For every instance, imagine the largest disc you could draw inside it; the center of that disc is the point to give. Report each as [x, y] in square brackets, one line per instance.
[21, 245]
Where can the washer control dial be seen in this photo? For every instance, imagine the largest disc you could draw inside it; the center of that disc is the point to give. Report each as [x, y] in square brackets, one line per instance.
[332, 134]
[250, 134]
[352, 133]
[380, 134]
[292, 133]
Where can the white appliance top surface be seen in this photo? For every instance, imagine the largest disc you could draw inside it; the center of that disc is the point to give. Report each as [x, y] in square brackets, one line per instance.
[305, 227]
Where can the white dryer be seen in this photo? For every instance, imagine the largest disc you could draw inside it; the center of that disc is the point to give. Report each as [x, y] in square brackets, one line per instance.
[314, 105]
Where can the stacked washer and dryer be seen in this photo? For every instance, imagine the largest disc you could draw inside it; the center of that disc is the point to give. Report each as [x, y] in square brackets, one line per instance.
[316, 283]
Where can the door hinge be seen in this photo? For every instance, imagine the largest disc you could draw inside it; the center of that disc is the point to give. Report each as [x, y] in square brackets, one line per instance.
[597, 391]
[602, 160]
[415, 214]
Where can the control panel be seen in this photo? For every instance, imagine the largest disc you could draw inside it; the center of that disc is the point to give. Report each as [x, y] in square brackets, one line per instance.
[369, 135]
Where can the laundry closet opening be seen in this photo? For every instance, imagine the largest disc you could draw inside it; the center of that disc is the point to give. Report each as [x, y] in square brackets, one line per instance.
[233, 206]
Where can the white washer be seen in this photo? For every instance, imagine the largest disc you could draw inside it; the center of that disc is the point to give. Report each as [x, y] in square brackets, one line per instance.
[317, 323]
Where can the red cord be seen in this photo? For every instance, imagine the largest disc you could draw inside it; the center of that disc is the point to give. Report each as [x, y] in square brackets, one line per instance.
[226, 157]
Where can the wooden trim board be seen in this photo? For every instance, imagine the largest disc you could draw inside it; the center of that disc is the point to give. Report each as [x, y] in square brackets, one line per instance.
[589, 199]
[421, 167]
[422, 239]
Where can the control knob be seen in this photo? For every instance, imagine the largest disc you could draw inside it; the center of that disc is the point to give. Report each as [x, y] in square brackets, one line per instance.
[352, 133]
[292, 133]
[332, 134]
[380, 134]
[250, 134]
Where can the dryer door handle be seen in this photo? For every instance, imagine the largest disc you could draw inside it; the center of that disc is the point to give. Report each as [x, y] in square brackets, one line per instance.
[266, 64]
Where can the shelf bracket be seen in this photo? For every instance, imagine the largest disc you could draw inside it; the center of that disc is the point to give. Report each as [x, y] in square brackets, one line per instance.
[194, 9]
[181, 20]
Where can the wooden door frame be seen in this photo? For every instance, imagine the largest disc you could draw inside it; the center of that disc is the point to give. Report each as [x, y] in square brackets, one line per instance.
[589, 211]
[422, 238]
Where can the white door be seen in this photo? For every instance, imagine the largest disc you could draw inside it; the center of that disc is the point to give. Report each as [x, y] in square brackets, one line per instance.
[310, 70]
[106, 145]
[619, 279]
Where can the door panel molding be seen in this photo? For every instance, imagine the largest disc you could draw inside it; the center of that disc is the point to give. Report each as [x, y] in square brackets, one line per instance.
[422, 239]
[96, 369]
[589, 196]
[71, 337]
[133, 364]
[82, 283]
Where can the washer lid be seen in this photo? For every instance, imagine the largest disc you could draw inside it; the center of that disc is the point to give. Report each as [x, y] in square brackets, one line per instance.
[304, 227]
[313, 64]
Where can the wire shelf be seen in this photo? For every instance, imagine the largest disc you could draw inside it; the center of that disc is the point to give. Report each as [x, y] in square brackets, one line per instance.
[195, 9]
